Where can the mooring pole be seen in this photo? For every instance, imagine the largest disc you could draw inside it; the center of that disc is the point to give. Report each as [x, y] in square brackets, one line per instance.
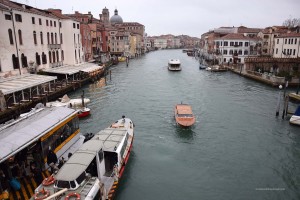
[284, 98]
[110, 75]
[278, 101]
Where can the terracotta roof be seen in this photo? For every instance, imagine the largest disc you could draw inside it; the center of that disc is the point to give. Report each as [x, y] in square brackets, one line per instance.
[25, 8]
[236, 36]
[57, 13]
[289, 35]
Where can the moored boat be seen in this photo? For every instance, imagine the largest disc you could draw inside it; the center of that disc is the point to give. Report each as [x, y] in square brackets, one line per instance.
[94, 170]
[295, 119]
[184, 115]
[78, 104]
[174, 65]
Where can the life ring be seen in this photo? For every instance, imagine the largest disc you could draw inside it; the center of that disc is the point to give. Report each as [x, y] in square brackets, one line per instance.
[76, 195]
[42, 194]
[48, 181]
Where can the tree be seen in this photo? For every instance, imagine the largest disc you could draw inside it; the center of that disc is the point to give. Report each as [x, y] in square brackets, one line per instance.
[291, 22]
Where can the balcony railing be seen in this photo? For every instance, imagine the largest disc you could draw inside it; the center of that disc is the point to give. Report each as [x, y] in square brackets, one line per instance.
[54, 46]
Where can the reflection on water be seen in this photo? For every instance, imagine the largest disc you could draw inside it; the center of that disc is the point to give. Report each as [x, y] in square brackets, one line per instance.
[236, 145]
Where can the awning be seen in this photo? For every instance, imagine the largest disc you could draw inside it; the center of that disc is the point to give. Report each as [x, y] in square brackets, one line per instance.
[19, 83]
[69, 70]
[21, 133]
[92, 68]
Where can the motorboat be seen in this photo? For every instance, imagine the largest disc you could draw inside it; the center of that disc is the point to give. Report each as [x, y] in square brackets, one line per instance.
[202, 66]
[94, 170]
[66, 101]
[295, 119]
[174, 65]
[184, 115]
[77, 104]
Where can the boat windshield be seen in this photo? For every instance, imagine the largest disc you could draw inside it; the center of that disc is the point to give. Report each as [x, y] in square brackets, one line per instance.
[184, 115]
[70, 184]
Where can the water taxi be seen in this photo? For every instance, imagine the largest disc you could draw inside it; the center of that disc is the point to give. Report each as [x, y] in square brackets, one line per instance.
[174, 65]
[94, 170]
[28, 139]
[184, 115]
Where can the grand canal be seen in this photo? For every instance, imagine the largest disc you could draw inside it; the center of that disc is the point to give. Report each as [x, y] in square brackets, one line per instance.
[237, 149]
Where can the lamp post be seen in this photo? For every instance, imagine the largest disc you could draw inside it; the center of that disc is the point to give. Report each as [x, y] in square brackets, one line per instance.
[278, 101]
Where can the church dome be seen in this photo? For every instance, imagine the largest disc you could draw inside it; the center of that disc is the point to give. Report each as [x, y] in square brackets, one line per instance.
[116, 18]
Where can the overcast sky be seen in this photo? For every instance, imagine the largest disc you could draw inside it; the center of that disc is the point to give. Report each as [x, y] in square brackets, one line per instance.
[188, 17]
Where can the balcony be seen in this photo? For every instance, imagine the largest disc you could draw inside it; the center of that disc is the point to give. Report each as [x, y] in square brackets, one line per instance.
[56, 64]
[54, 46]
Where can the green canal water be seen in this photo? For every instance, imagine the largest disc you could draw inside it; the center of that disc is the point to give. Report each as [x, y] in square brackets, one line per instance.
[237, 149]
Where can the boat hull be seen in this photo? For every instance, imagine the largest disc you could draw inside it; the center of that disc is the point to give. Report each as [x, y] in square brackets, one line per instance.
[84, 113]
[295, 120]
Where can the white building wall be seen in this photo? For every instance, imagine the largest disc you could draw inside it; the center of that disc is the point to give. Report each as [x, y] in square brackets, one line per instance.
[160, 43]
[72, 47]
[286, 47]
[242, 47]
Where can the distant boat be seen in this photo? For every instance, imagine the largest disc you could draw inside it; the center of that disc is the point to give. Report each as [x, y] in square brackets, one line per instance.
[174, 65]
[122, 58]
[295, 119]
[184, 115]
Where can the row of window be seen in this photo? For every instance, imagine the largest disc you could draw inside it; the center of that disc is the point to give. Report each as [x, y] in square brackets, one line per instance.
[53, 57]
[74, 25]
[231, 44]
[51, 36]
[18, 18]
[289, 41]
[231, 52]
[287, 52]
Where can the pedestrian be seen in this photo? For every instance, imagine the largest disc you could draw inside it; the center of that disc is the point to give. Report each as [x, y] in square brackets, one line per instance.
[37, 173]
[52, 160]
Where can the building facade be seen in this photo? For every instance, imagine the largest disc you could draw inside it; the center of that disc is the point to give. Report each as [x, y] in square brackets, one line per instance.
[287, 46]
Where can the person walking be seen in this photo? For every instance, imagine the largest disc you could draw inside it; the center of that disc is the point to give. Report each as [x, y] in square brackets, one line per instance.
[52, 160]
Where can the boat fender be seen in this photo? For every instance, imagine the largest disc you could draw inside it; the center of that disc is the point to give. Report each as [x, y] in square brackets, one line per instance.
[48, 181]
[76, 195]
[42, 194]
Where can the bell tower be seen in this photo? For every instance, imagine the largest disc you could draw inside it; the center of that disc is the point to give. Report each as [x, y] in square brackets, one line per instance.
[105, 15]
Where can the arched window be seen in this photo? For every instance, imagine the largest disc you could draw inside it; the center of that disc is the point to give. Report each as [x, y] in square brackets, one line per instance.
[57, 58]
[11, 40]
[34, 38]
[75, 55]
[74, 39]
[62, 55]
[55, 38]
[48, 38]
[41, 35]
[79, 54]
[37, 58]
[44, 58]
[50, 60]
[20, 37]
[24, 60]
[61, 38]
[15, 61]
[53, 56]
[51, 38]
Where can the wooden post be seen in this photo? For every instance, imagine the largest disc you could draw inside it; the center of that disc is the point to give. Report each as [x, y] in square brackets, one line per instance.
[278, 101]
[110, 75]
[284, 97]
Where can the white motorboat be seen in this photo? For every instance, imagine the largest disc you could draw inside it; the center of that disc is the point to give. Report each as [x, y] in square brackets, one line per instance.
[295, 119]
[65, 101]
[174, 65]
[94, 170]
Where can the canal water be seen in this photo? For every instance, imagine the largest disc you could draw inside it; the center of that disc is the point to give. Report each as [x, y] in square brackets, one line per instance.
[237, 149]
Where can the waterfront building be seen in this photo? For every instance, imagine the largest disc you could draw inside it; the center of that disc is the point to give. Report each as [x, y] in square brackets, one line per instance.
[287, 45]
[267, 35]
[234, 47]
[160, 43]
[35, 39]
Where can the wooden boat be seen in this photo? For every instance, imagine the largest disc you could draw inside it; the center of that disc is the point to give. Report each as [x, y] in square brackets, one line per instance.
[94, 170]
[295, 119]
[174, 65]
[30, 138]
[122, 58]
[184, 115]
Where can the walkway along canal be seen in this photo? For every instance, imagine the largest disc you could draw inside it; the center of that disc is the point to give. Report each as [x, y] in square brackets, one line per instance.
[237, 149]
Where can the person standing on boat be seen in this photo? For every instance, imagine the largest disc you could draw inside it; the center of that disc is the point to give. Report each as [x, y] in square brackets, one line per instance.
[52, 160]
[103, 191]
[116, 172]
